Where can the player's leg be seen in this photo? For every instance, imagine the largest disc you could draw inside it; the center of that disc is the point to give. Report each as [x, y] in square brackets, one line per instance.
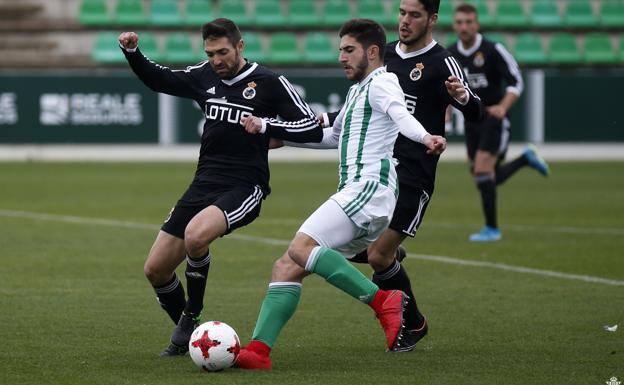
[485, 160]
[330, 229]
[166, 254]
[278, 307]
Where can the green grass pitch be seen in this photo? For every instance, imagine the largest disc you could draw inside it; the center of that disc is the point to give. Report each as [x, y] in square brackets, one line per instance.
[75, 307]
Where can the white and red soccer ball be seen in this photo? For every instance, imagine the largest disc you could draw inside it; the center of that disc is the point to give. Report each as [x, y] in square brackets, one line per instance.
[214, 346]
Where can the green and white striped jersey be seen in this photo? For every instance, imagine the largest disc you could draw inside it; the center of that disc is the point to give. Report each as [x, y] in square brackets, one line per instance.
[367, 132]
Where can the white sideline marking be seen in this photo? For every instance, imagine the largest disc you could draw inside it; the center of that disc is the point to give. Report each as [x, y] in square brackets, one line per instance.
[513, 227]
[284, 242]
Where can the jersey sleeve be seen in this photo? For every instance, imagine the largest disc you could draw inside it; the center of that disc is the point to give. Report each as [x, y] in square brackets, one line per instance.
[183, 83]
[473, 110]
[384, 92]
[298, 123]
[508, 67]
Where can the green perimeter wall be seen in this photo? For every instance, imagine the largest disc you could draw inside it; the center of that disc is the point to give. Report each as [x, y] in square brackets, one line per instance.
[117, 108]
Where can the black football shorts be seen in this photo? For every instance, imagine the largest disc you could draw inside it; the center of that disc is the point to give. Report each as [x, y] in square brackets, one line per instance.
[240, 205]
[410, 209]
[491, 135]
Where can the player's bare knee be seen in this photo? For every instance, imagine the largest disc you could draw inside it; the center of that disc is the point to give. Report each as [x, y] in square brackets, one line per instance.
[156, 275]
[195, 242]
[380, 259]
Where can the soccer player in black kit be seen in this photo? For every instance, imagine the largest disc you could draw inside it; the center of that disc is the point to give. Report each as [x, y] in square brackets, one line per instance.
[488, 66]
[232, 176]
[431, 79]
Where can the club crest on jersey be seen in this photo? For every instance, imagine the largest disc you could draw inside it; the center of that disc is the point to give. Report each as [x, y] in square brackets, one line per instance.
[250, 91]
[416, 73]
[479, 59]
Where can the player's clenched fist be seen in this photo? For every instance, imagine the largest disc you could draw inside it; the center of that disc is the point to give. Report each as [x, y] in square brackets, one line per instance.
[128, 40]
[436, 144]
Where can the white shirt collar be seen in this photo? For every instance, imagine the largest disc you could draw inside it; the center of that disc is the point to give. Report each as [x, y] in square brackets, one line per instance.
[240, 76]
[471, 50]
[408, 55]
[373, 73]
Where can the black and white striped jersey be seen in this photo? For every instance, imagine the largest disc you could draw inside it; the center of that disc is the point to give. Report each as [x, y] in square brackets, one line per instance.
[489, 67]
[422, 75]
[229, 156]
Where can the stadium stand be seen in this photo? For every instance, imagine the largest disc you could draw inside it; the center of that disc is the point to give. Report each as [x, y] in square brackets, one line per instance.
[165, 13]
[579, 13]
[510, 13]
[563, 49]
[598, 49]
[130, 12]
[63, 29]
[529, 49]
[179, 49]
[269, 13]
[545, 14]
[303, 14]
[284, 49]
[94, 12]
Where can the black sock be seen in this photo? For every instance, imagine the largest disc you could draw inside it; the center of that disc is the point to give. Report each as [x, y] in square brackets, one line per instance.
[196, 277]
[395, 278]
[487, 187]
[508, 169]
[361, 257]
[171, 297]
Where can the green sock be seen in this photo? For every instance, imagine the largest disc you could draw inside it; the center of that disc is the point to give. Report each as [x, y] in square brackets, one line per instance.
[336, 270]
[278, 306]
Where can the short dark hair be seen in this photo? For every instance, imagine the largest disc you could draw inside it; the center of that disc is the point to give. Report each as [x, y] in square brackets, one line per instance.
[431, 6]
[466, 8]
[221, 27]
[366, 32]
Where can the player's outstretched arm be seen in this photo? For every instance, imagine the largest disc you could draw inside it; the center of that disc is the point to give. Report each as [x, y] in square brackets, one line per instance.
[156, 77]
[255, 125]
[459, 93]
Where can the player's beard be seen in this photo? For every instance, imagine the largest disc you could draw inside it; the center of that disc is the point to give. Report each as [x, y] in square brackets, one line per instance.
[233, 69]
[360, 70]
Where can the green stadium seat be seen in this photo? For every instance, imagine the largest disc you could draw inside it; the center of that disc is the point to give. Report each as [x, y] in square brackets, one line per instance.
[318, 49]
[179, 49]
[545, 14]
[253, 49]
[621, 48]
[303, 14]
[445, 14]
[94, 12]
[130, 12]
[198, 12]
[283, 48]
[335, 12]
[598, 49]
[165, 13]
[235, 10]
[612, 13]
[106, 49]
[269, 13]
[563, 49]
[579, 13]
[149, 46]
[509, 13]
[375, 10]
[497, 37]
[529, 49]
[486, 20]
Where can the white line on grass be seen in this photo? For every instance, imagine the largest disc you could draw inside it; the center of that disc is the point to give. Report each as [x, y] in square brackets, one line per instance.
[284, 242]
[513, 227]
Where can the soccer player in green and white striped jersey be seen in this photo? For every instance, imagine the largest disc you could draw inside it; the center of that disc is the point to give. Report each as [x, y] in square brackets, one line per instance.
[361, 209]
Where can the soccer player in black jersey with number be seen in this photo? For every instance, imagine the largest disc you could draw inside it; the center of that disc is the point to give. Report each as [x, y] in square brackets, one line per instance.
[488, 66]
[232, 176]
[431, 79]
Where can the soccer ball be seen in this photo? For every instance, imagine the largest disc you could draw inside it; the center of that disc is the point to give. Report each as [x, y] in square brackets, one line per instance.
[214, 346]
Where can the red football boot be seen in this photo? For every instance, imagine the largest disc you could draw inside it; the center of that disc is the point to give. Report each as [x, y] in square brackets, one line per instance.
[254, 356]
[389, 307]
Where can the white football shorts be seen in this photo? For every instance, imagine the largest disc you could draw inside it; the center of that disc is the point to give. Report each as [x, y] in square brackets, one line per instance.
[352, 218]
